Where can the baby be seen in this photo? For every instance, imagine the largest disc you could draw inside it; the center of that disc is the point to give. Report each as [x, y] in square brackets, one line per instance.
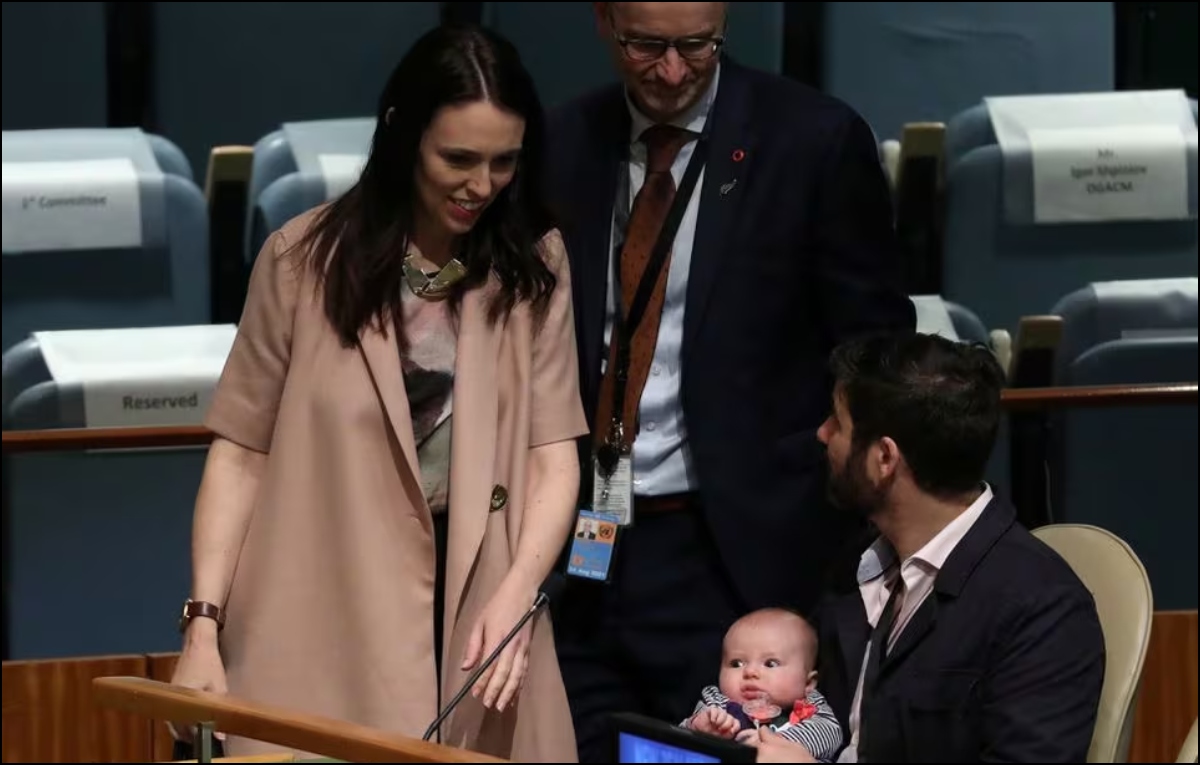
[768, 677]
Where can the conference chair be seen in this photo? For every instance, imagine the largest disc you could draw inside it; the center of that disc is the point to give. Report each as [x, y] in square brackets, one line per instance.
[139, 260]
[1111, 570]
[117, 523]
[1187, 752]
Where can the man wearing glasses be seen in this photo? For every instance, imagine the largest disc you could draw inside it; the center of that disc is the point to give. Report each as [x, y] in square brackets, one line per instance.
[726, 229]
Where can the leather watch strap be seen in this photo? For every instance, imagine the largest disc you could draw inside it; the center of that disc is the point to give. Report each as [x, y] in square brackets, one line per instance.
[193, 609]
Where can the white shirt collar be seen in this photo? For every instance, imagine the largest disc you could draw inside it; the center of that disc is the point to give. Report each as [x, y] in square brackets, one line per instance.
[881, 556]
[694, 119]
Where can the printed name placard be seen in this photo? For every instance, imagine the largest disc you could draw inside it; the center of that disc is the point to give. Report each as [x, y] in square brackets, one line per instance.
[146, 402]
[69, 205]
[1094, 157]
[340, 171]
[1109, 173]
[1175, 288]
[933, 318]
[140, 377]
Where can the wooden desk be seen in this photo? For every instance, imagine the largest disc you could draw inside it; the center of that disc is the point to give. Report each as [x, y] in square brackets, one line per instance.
[79, 439]
[1098, 396]
[1014, 399]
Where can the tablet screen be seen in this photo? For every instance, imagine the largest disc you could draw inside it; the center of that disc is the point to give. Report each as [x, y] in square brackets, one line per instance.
[635, 748]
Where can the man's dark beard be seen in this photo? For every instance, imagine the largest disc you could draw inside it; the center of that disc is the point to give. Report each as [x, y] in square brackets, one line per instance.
[850, 490]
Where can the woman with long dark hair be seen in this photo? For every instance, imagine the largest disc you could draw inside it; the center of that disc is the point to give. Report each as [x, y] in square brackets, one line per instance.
[394, 471]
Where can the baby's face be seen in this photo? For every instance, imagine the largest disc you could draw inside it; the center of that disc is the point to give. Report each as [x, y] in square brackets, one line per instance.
[766, 657]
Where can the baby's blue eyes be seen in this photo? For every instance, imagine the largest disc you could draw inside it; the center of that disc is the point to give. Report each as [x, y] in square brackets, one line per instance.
[769, 663]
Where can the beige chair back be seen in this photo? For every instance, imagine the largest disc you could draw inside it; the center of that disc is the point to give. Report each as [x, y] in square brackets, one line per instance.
[1118, 582]
[1187, 753]
[889, 153]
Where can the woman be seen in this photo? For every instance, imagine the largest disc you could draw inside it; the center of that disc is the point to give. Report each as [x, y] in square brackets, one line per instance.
[395, 431]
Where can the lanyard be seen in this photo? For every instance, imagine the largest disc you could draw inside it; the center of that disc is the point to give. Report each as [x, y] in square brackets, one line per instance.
[625, 325]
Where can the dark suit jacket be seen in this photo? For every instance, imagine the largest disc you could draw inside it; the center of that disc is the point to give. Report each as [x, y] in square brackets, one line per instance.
[1002, 663]
[798, 256]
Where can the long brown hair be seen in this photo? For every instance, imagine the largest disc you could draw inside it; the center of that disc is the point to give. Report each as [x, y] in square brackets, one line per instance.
[357, 244]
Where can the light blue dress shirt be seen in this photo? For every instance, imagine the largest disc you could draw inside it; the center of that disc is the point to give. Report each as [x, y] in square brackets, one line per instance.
[661, 460]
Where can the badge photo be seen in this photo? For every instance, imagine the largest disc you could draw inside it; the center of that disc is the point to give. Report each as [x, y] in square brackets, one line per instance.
[593, 542]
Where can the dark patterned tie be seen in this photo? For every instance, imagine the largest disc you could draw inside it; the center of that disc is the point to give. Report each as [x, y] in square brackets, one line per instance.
[879, 647]
[650, 208]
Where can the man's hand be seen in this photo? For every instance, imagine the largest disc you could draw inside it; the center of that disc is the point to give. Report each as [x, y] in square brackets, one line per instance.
[749, 737]
[715, 722]
[773, 747]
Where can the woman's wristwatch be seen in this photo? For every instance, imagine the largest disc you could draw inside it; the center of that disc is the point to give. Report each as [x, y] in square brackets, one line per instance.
[193, 609]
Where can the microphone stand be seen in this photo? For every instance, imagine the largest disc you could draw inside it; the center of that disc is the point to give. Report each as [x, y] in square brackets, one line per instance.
[538, 603]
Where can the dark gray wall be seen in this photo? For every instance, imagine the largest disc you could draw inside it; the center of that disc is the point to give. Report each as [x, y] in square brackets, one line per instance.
[54, 65]
[228, 73]
[910, 62]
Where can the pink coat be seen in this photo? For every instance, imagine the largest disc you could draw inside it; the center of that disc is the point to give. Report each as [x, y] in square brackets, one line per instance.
[330, 610]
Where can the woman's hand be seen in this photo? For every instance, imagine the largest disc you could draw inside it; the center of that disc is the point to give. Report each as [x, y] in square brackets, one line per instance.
[553, 485]
[199, 667]
[501, 683]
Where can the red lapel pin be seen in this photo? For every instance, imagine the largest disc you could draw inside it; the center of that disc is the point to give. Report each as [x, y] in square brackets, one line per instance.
[738, 155]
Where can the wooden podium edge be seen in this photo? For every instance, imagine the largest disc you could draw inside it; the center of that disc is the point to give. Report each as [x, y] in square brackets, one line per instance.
[286, 728]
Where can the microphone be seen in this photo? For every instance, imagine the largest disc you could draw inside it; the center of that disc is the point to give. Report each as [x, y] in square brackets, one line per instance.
[550, 590]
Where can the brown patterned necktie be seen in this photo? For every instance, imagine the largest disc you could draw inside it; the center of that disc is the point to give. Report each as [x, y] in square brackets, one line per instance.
[650, 208]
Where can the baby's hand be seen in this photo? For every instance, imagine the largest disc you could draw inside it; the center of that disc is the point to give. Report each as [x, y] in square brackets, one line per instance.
[715, 722]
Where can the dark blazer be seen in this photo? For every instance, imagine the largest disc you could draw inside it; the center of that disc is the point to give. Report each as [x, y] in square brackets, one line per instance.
[799, 255]
[1003, 662]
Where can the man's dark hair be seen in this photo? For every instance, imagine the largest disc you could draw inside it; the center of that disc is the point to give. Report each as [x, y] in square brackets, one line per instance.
[939, 400]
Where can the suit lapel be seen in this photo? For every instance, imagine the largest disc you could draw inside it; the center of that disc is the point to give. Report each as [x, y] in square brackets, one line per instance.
[853, 634]
[596, 193]
[382, 355]
[918, 627]
[731, 156]
[995, 520]
[472, 436]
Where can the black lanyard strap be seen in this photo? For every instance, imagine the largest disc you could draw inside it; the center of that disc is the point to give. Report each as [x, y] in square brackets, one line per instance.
[624, 326]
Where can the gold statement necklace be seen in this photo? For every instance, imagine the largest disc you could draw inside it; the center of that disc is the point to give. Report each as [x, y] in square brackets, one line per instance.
[436, 285]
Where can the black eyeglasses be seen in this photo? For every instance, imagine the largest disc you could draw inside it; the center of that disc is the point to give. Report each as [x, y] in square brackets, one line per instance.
[654, 48]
